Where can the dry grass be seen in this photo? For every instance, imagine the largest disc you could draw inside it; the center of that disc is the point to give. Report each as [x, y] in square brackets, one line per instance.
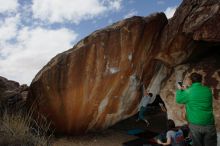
[16, 129]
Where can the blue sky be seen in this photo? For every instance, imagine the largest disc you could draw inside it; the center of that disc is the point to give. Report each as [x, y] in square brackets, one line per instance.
[34, 31]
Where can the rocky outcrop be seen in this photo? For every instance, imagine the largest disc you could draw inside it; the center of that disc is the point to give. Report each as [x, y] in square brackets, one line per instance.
[12, 94]
[189, 42]
[194, 27]
[97, 82]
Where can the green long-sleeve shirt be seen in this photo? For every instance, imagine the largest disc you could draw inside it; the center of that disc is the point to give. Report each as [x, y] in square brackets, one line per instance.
[198, 101]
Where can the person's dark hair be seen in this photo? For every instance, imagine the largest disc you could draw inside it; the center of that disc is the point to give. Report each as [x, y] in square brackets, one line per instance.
[196, 77]
[151, 94]
[171, 124]
[158, 96]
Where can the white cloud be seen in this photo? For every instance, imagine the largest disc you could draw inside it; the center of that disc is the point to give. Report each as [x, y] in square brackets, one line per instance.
[169, 12]
[130, 14]
[8, 5]
[58, 11]
[8, 28]
[114, 4]
[33, 49]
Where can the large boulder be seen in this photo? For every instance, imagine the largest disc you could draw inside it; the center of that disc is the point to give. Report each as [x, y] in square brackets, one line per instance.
[97, 83]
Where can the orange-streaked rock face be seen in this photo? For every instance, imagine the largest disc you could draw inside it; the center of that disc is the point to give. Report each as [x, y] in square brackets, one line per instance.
[97, 82]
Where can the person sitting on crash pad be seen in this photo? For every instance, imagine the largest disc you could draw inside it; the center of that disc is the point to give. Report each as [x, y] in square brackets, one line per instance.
[174, 136]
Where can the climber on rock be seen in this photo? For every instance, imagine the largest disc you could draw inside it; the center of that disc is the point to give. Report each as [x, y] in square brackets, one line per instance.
[143, 106]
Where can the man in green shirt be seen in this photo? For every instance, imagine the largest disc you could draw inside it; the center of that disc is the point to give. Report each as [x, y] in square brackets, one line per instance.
[199, 111]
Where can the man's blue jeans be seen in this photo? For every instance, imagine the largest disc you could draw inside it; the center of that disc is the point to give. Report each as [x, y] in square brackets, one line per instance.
[203, 135]
[141, 113]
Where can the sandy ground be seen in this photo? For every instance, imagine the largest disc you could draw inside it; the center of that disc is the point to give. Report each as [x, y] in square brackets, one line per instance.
[115, 136]
[105, 138]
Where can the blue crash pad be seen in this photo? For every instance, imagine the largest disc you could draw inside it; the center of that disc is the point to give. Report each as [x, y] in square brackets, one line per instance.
[135, 131]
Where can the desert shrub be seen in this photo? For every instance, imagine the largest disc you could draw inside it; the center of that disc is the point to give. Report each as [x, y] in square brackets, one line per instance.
[19, 129]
